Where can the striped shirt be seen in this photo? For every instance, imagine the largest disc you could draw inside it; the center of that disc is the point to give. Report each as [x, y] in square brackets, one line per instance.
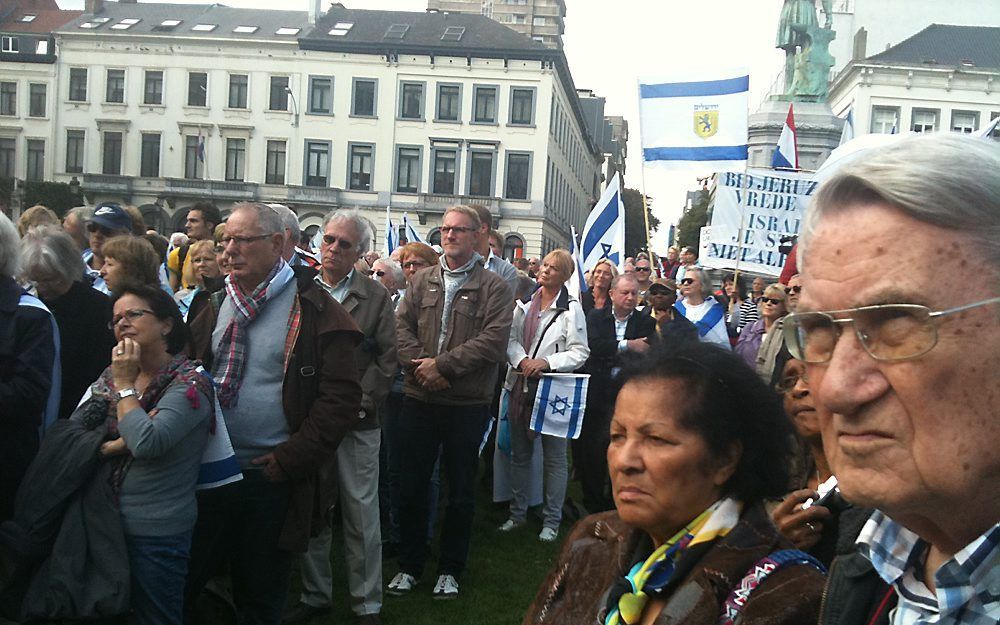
[967, 585]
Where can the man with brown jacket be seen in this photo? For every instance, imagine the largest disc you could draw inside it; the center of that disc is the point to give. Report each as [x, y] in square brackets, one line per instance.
[452, 330]
[287, 380]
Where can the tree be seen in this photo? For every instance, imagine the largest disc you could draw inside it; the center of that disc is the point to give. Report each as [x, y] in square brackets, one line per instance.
[635, 223]
[689, 227]
[57, 196]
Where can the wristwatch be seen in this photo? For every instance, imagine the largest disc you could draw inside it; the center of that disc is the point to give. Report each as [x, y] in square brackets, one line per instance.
[127, 392]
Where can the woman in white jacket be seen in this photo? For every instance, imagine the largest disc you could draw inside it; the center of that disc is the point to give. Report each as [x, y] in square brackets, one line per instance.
[549, 334]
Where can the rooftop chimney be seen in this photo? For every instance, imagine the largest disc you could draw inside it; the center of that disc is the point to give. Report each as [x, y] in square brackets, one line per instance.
[94, 6]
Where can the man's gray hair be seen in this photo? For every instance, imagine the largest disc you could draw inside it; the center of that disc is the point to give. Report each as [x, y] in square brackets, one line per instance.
[395, 270]
[268, 217]
[948, 180]
[289, 220]
[623, 277]
[362, 225]
[706, 284]
[10, 248]
[83, 213]
[48, 250]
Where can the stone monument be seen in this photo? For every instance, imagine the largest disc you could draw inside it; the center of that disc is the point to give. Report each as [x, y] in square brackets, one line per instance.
[806, 86]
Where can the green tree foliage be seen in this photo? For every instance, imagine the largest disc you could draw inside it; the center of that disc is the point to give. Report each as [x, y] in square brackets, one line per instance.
[635, 223]
[57, 196]
[689, 227]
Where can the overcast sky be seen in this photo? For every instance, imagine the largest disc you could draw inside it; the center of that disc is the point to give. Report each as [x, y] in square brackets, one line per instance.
[611, 45]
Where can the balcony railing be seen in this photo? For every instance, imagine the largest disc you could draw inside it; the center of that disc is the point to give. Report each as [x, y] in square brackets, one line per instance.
[314, 195]
[221, 189]
[106, 183]
[441, 201]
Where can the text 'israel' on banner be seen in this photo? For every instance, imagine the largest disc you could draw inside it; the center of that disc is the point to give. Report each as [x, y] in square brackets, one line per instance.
[604, 232]
[773, 203]
[695, 120]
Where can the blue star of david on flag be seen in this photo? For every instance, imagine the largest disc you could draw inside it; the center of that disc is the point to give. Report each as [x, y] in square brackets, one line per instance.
[560, 403]
[604, 233]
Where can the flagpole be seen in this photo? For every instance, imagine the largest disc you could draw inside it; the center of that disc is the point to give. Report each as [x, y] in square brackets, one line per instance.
[642, 191]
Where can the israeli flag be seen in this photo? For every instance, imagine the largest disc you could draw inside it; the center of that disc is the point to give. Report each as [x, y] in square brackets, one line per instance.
[990, 128]
[219, 465]
[559, 405]
[848, 132]
[391, 234]
[576, 284]
[411, 232]
[695, 120]
[786, 155]
[604, 232]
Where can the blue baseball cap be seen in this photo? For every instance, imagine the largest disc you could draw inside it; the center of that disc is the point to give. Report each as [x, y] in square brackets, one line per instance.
[112, 216]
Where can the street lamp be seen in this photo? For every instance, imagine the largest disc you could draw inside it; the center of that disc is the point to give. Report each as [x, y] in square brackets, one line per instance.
[295, 107]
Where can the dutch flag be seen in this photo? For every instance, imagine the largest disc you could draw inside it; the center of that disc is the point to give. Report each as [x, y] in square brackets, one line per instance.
[786, 155]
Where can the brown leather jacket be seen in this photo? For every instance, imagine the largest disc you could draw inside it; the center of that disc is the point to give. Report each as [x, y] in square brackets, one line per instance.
[602, 548]
[476, 339]
[321, 397]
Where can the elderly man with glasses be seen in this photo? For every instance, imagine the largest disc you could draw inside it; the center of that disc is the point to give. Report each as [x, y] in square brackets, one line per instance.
[906, 375]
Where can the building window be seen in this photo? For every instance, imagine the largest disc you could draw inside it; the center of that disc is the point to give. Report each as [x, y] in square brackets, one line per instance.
[37, 94]
[152, 92]
[78, 84]
[522, 106]
[275, 163]
[445, 162]
[115, 88]
[193, 161]
[320, 95]
[8, 152]
[236, 159]
[278, 99]
[885, 120]
[449, 103]
[924, 120]
[360, 163]
[238, 91]
[481, 173]
[518, 172]
[74, 151]
[36, 160]
[8, 44]
[111, 163]
[411, 100]
[513, 247]
[408, 170]
[485, 105]
[149, 166]
[964, 121]
[197, 89]
[538, 21]
[8, 98]
[363, 97]
[317, 164]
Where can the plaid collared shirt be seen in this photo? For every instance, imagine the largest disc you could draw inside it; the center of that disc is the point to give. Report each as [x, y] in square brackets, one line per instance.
[967, 585]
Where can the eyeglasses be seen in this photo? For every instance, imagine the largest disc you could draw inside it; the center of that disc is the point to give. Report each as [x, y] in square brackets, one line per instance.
[888, 332]
[789, 382]
[241, 241]
[108, 232]
[419, 264]
[220, 248]
[687, 281]
[793, 289]
[132, 314]
[772, 300]
[659, 291]
[380, 273]
[344, 244]
[642, 269]
[445, 230]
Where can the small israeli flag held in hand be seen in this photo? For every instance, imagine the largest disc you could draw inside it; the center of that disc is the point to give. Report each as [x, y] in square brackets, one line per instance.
[559, 405]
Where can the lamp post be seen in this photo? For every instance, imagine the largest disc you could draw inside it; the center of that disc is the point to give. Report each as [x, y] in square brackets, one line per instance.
[295, 107]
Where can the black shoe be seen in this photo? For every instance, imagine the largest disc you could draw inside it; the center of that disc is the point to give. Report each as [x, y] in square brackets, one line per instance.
[302, 613]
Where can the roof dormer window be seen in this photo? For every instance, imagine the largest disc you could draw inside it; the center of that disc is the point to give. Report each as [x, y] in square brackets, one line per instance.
[341, 28]
[246, 30]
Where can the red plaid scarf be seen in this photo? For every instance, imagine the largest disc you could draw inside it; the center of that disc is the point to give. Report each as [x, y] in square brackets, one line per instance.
[231, 353]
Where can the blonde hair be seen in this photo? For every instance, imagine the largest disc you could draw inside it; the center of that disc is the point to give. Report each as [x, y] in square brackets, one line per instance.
[561, 260]
[37, 215]
[611, 268]
[189, 275]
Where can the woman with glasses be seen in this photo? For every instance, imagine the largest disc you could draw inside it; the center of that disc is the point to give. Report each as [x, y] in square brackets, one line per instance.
[416, 256]
[156, 409]
[702, 309]
[203, 277]
[698, 443]
[600, 286]
[772, 309]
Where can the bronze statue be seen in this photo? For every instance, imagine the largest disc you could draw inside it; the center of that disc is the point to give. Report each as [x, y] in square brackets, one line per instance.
[806, 46]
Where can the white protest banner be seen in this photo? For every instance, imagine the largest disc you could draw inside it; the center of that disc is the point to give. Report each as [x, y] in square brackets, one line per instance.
[772, 205]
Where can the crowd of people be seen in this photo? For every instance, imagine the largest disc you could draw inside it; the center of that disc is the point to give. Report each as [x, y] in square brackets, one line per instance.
[199, 413]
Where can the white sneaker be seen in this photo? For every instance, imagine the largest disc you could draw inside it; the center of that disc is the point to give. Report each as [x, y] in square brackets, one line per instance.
[548, 535]
[401, 585]
[510, 525]
[446, 587]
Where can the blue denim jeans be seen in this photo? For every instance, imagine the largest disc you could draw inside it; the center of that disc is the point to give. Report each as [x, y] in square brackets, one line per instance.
[159, 565]
[454, 432]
